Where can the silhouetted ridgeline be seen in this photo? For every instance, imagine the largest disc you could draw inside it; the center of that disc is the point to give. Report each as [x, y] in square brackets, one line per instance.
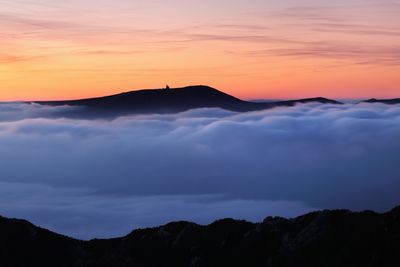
[164, 101]
[384, 101]
[326, 238]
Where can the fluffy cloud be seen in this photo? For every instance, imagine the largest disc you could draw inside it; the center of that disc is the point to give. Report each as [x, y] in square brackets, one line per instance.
[93, 178]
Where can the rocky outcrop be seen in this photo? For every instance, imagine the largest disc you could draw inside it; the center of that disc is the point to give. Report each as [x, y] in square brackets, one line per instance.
[325, 238]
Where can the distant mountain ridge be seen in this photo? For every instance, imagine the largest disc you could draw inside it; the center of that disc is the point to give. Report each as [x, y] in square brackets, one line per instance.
[384, 101]
[164, 101]
[324, 238]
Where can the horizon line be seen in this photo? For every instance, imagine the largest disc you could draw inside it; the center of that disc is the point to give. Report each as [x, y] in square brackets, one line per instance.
[199, 85]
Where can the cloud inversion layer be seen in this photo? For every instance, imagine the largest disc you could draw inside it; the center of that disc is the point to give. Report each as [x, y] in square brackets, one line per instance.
[146, 170]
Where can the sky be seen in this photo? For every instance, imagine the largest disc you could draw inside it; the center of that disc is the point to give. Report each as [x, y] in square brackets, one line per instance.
[104, 178]
[249, 48]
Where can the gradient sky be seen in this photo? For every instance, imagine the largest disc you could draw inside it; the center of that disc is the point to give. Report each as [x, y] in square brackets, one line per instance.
[250, 48]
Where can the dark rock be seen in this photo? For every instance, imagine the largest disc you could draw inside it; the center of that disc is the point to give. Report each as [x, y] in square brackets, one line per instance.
[325, 238]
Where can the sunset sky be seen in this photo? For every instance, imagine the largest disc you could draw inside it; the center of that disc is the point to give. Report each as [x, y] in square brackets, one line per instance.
[51, 49]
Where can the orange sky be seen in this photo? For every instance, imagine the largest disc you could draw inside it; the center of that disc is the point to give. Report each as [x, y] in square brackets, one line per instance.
[251, 49]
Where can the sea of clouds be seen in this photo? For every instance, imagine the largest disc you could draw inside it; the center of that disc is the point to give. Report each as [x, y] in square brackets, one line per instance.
[103, 178]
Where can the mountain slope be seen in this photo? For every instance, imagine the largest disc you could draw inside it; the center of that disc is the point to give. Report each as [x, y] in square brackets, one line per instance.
[326, 238]
[384, 101]
[23, 244]
[162, 101]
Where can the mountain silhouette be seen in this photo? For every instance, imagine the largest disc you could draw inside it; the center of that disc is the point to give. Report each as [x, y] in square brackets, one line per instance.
[384, 101]
[164, 101]
[324, 238]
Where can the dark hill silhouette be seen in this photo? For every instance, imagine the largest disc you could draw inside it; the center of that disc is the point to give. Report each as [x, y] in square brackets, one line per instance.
[325, 238]
[162, 101]
[384, 101]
